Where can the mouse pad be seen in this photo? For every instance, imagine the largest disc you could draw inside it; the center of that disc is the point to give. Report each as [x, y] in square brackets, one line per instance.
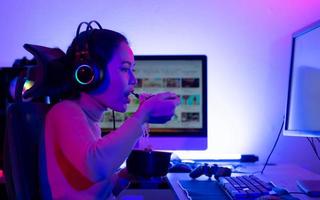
[202, 190]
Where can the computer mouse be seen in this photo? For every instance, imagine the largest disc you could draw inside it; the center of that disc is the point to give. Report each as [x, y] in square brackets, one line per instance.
[180, 168]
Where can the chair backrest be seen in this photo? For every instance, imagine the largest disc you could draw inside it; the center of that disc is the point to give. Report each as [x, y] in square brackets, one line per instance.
[24, 155]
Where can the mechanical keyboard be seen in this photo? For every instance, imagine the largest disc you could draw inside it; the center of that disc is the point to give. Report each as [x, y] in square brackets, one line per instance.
[245, 187]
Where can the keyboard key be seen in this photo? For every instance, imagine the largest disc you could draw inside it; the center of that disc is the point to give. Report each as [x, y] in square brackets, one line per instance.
[241, 187]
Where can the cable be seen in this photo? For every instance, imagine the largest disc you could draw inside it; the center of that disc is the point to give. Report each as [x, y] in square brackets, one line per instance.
[274, 146]
[114, 120]
[313, 146]
[297, 193]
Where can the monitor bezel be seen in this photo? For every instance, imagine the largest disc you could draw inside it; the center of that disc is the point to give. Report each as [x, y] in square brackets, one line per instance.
[287, 131]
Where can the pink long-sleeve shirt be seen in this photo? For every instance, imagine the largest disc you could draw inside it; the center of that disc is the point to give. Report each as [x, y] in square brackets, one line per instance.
[80, 163]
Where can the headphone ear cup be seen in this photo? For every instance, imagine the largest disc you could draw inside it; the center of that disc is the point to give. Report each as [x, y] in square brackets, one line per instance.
[87, 76]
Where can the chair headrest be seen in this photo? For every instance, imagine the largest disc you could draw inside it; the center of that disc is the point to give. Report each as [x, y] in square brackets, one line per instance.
[40, 74]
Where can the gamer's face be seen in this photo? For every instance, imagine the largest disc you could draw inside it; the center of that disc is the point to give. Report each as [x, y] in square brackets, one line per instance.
[116, 90]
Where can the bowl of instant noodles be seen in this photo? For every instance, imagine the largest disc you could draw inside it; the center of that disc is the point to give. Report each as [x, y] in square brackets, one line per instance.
[148, 163]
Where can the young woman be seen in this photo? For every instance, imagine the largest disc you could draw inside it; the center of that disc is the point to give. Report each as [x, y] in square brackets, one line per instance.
[81, 164]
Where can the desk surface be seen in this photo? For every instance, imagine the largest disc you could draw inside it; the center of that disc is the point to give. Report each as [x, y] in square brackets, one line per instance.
[284, 176]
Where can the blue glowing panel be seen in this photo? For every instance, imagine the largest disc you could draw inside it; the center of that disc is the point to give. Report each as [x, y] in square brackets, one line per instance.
[303, 112]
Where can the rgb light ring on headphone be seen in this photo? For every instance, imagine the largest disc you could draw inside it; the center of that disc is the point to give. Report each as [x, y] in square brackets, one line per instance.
[84, 74]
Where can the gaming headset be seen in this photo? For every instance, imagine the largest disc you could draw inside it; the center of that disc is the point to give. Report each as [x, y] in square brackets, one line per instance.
[86, 74]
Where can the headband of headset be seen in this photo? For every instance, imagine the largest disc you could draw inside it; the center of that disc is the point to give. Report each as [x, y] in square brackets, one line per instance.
[86, 73]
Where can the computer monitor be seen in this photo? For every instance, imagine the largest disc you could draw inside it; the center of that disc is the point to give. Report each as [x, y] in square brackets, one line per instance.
[186, 75]
[303, 103]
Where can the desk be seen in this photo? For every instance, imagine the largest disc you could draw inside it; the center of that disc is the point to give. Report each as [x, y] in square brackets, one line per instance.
[281, 175]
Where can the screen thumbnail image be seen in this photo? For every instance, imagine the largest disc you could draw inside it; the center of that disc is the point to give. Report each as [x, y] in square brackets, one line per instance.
[134, 102]
[127, 115]
[190, 82]
[172, 82]
[152, 82]
[139, 83]
[190, 117]
[190, 100]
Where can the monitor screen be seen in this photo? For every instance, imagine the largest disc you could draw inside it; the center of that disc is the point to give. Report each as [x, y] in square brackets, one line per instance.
[185, 75]
[303, 104]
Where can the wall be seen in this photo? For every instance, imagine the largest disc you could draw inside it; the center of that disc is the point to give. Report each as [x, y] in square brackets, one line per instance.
[247, 43]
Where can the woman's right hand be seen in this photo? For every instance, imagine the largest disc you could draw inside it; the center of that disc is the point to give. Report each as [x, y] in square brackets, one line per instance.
[158, 108]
